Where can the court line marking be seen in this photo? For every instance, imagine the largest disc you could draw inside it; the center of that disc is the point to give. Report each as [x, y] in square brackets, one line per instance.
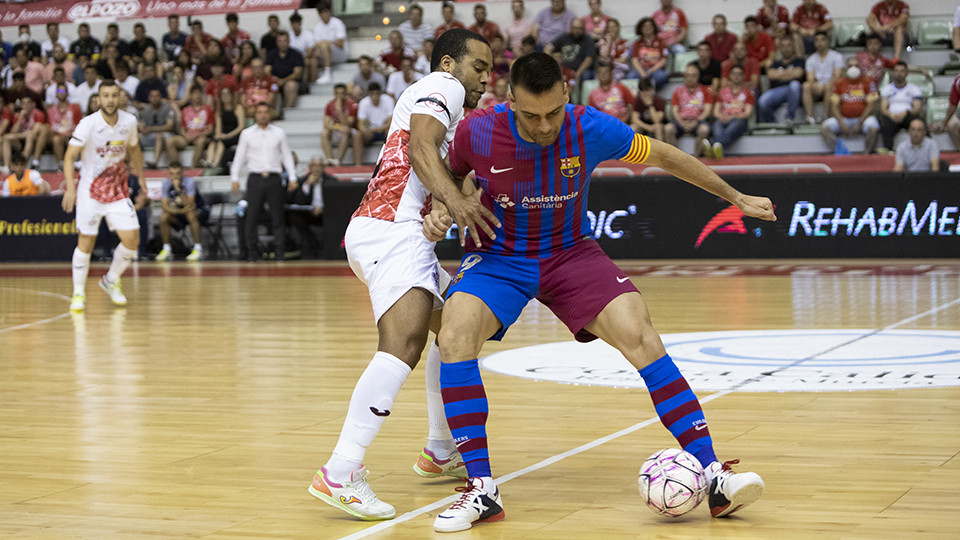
[383, 525]
[35, 323]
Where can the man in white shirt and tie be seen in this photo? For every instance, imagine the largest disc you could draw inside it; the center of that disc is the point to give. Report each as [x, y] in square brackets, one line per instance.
[263, 148]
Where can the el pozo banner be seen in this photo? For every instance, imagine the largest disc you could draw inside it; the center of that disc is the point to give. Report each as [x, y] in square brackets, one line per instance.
[74, 11]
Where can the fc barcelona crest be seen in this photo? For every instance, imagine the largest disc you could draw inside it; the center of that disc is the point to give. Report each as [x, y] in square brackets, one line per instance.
[570, 166]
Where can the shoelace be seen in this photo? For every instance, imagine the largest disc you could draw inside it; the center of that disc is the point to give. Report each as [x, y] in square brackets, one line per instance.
[464, 499]
[363, 488]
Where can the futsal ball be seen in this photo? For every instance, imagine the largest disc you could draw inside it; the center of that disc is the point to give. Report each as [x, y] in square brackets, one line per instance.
[672, 482]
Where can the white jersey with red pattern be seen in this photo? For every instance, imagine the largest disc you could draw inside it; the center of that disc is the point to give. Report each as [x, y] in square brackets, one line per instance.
[395, 193]
[104, 172]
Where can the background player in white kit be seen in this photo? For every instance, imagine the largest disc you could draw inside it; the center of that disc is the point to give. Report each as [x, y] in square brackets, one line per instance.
[388, 251]
[103, 141]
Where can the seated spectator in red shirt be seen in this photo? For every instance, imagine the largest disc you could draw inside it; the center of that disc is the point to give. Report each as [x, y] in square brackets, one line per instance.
[733, 110]
[449, 20]
[721, 42]
[197, 41]
[25, 132]
[196, 127]
[339, 126]
[649, 111]
[569, 75]
[872, 63]
[611, 97]
[596, 22]
[890, 19]
[759, 44]
[214, 55]
[853, 101]
[692, 105]
[389, 59]
[62, 119]
[6, 116]
[738, 57]
[615, 50]
[808, 19]
[649, 56]
[774, 18]
[234, 37]
[950, 123]
[482, 26]
[672, 26]
[219, 81]
[259, 86]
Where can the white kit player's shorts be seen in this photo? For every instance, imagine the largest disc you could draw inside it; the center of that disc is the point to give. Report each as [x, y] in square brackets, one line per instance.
[120, 215]
[392, 257]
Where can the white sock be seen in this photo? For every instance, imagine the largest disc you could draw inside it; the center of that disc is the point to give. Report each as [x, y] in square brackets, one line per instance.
[377, 388]
[439, 439]
[81, 266]
[121, 261]
[167, 247]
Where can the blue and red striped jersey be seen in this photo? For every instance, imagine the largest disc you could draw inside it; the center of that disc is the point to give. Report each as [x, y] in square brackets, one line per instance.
[539, 193]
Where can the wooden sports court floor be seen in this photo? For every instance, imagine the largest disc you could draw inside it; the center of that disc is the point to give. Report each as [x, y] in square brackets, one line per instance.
[203, 409]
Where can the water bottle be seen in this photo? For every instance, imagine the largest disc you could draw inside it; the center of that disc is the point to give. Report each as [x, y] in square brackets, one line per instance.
[241, 208]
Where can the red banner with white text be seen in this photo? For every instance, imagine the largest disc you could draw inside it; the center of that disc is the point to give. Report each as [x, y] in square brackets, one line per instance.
[72, 11]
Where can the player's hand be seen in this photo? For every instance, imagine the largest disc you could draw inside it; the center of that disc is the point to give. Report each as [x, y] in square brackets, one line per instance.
[468, 212]
[235, 187]
[141, 201]
[756, 207]
[436, 224]
[69, 198]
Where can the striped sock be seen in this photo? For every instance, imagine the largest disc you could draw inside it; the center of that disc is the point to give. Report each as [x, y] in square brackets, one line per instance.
[678, 408]
[465, 404]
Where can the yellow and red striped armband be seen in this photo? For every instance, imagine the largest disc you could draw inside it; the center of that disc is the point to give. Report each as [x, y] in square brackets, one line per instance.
[639, 149]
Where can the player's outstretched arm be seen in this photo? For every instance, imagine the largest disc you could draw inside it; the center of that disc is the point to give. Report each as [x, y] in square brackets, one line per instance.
[69, 185]
[690, 169]
[426, 137]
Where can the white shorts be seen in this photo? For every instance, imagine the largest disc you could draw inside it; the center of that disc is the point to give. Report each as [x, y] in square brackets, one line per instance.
[121, 216]
[392, 257]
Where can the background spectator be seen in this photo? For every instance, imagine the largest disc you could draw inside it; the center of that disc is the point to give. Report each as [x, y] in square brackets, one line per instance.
[900, 102]
[578, 50]
[214, 55]
[852, 103]
[108, 61]
[808, 19]
[774, 19]
[19, 90]
[759, 44]
[268, 41]
[197, 42]
[217, 82]
[389, 59]
[25, 41]
[113, 38]
[415, 29]
[25, 132]
[174, 40]
[614, 50]
[692, 105]
[649, 56]
[150, 58]
[331, 47]
[23, 181]
[595, 22]
[234, 37]
[448, 12]
[59, 77]
[401, 80]
[241, 68]
[889, 19]
[286, 65]
[179, 206]
[304, 43]
[711, 70]
[339, 127]
[58, 59]
[360, 84]
[519, 28]
[89, 87]
[786, 76]
[125, 81]
[196, 127]
[228, 124]
[259, 87]
[422, 65]
[919, 152]
[62, 119]
[502, 58]
[374, 114]
[824, 68]
[949, 124]
[178, 91]
[553, 21]
[649, 111]
[872, 63]
[309, 193]
[157, 120]
[149, 83]
[738, 57]
[53, 38]
[733, 109]
[672, 24]
[721, 42]
[496, 96]
[85, 45]
[141, 42]
[611, 97]
[482, 25]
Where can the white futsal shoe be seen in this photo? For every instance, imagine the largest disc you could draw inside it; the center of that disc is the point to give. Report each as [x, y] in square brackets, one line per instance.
[77, 303]
[475, 505]
[113, 291]
[354, 497]
[730, 491]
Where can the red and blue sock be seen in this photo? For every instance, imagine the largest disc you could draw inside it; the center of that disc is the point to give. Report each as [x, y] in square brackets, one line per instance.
[678, 408]
[465, 404]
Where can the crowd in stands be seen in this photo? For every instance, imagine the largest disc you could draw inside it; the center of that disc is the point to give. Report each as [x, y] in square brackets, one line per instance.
[781, 68]
[189, 90]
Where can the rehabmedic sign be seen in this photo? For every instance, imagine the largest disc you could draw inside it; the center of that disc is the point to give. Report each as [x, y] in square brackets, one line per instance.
[936, 219]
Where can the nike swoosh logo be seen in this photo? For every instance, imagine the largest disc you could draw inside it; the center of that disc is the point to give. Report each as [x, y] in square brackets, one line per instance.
[700, 427]
[622, 279]
[494, 170]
